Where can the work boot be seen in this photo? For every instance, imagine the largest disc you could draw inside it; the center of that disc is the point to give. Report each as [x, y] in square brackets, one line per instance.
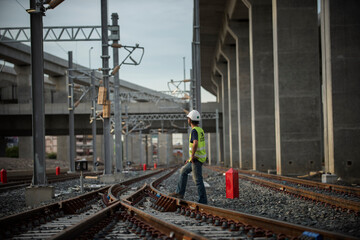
[176, 195]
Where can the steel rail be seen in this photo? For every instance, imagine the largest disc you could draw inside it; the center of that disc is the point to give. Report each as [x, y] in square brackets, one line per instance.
[333, 187]
[326, 186]
[26, 181]
[276, 226]
[115, 189]
[26, 217]
[165, 203]
[230, 219]
[344, 204]
[73, 232]
[308, 195]
[134, 213]
[167, 228]
[279, 227]
[110, 212]
[75, 205]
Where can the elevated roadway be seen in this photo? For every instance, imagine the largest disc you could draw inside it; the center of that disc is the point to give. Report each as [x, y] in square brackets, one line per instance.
[147, 109]
[16, 120]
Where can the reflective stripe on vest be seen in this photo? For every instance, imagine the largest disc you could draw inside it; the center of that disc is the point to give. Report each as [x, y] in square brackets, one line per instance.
[200, 151]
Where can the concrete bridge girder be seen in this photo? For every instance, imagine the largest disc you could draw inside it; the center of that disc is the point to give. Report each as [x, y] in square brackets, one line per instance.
[16, 118]
[281, 40]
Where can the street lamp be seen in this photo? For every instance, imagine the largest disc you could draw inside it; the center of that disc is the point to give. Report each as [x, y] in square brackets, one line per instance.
[90, 57]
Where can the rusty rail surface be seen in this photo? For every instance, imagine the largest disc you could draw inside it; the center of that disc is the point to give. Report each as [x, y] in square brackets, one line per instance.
[117, 189]
[354, 191]
[222, 217]
[147, 225]
[122, 210]
[19, 181]
[14, 223]
[235, 220]
[334, 202]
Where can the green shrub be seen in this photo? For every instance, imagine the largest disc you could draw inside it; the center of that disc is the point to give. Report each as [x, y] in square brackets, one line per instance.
[12, 152]
[52, 155]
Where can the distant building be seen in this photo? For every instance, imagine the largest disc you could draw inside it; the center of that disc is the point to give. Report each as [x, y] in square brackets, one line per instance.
[51, 144]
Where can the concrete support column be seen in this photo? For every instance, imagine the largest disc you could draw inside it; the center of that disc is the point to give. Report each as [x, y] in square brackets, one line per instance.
[163, 148]
[217, 80]
[134, 148]
[229, 53]
[141, 148]
[262, 74]
[100, 147]
[2, 146]
[341, 87]
[296, 86]
[185, 146]
[26, 147]
[112, 152]
[170, 149]
[211, 148]
[60, 94]
[207, 147]
[240, 32]
[63, 148]
[149, 149]
[23, 77]
[129, 146]
[222, 69]
[222, 148]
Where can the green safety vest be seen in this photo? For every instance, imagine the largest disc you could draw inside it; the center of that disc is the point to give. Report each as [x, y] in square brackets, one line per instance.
[200, 151]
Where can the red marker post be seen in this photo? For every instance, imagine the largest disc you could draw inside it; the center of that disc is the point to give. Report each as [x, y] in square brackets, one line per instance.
[155, 165]
[57, 171]
[232, 183]
[3, 175]
[144, 167]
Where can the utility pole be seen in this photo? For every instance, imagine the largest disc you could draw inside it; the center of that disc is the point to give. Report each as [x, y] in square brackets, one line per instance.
[218, 154]
[184, 75]
[117, 110]
[141, 148]
[196, 52]
[71, 113]
[127, 134]
[38, 114]
[93, 113]
[105, 69]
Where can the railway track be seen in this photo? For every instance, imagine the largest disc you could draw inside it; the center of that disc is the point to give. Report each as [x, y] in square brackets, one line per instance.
[24, 181]
[150, 214]
[46, 221]
[343, 198]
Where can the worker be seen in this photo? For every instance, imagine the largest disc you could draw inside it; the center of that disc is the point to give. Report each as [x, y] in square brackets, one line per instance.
[197, 155]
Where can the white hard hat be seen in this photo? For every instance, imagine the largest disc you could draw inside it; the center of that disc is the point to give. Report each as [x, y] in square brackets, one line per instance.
[194, 115]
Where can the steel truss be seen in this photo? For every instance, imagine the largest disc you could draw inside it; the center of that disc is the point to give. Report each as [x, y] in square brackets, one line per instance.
[143, 96]
[58, 33]
[166, 116]
[144, 121]
[133, 118]
[139, 122]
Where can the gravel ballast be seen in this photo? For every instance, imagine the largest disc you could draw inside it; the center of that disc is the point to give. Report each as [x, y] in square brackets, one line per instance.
[13, 201]
[264, 202]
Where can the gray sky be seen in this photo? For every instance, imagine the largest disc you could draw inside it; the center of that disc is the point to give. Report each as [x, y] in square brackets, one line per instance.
[162, 27]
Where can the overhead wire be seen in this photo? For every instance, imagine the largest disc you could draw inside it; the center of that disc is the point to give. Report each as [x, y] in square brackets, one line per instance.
[20, 5]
